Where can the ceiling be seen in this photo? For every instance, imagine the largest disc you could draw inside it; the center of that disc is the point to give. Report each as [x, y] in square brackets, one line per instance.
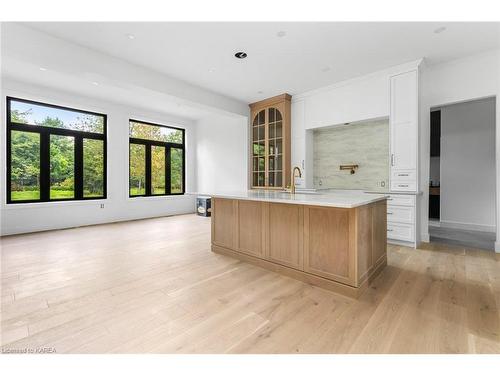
[282, 57]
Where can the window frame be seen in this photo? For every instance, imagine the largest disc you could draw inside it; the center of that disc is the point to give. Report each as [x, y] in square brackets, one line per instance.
[45, 132]
[147, 172]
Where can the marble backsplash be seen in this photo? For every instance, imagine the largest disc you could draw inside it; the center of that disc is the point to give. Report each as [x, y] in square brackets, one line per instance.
[365, 144]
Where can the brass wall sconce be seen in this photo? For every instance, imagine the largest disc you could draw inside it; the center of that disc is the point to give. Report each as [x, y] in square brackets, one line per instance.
[349, 167]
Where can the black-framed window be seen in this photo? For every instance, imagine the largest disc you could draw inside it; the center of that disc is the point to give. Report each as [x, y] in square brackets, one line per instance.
[54, 153]
[157, 159]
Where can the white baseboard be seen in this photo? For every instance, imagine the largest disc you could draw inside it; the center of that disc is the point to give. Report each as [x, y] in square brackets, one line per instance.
[402, 243]
[424, 237]
[434, 223]
[468, 226]
[497, 247]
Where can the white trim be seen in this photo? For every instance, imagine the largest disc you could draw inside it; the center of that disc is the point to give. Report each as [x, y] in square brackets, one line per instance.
[468, 226]
[402, 243]
[424, 237]
[497, 247]
[434, 223]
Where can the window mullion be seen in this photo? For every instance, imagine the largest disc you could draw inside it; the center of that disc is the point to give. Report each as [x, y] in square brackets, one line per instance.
[44, 165]
[168, 177]
[148, 169]
[78, 168]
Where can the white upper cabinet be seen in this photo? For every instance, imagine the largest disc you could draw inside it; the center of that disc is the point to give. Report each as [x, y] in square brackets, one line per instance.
[404, 130]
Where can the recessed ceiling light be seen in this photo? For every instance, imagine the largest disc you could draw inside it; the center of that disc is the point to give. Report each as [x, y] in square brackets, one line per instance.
[439, 30]
[240, 55]
[326, 69]
[95, 83]
[43, 69]
[131, 36]
[211, 70]
[281, 34]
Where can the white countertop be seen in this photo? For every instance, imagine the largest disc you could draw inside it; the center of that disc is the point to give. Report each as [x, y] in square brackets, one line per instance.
[343, 199]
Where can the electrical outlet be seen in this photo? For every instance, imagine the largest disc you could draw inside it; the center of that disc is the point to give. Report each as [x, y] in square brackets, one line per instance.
[102, 205]
[382, 183]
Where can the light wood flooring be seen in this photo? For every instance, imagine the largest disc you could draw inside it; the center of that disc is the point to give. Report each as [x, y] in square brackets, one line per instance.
[154, 286]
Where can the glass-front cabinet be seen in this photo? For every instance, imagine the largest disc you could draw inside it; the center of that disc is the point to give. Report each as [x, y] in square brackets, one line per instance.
[270, 148]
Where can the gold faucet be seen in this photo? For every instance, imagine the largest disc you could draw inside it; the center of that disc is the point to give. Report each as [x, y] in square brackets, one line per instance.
[292, 185]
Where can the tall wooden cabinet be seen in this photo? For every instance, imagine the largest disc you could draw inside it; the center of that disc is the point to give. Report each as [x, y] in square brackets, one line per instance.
[270, 147]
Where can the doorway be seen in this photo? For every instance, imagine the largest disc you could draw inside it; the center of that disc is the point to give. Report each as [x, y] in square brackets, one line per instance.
[462, 186]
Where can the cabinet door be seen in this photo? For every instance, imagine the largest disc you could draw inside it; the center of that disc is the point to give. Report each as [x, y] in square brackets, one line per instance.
[259, 149]
[404, 121]
[250, 228]
[223, 222]
[285, 233]
[329, 252]
[275, 144]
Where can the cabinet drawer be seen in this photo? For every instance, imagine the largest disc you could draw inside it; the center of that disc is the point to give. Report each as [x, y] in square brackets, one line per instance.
[400, 214]
[401, 200]
[401, 232]
[403, 186]
[404, 175]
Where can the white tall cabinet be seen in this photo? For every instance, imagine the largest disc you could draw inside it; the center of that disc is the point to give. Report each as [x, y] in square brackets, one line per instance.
[403, 120]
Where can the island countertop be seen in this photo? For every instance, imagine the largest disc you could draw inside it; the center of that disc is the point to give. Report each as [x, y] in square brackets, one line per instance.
[344, 199]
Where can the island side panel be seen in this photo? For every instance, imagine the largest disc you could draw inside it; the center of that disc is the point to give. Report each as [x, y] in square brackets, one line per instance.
[371, 239]
[250, 228]
[224, 216]
[285, 234]
[330, 243]
[380, 233]
[364, 238]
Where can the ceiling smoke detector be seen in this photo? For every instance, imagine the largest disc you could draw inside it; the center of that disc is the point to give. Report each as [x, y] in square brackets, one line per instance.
[240, 55]
[439, 30]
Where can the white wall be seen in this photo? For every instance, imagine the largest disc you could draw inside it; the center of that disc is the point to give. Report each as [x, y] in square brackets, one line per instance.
[358, 99]
[222, 154]
[118, 206]
[468, 165]
[466, 79]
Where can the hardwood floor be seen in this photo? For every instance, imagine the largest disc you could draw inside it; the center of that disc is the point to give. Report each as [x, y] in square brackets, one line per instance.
[154, 286]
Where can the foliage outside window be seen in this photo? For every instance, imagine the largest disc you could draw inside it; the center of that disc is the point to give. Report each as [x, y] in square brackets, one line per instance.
[54, 153]
[156, 160]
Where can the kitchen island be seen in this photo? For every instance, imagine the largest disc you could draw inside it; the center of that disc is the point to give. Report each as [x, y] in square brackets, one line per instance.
[336, 240]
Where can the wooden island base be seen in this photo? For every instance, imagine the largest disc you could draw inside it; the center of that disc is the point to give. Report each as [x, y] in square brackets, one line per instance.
[340, 249]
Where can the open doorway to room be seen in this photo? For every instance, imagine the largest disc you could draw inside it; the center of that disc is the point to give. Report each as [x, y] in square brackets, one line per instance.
[462, 176]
